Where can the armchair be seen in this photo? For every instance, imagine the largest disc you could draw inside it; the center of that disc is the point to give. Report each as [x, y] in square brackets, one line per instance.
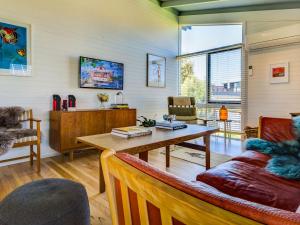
[31, 141]
[185, 109]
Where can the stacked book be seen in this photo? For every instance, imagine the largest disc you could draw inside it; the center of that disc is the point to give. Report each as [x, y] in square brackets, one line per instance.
[130, 132]
[174, 125]
[119, 106]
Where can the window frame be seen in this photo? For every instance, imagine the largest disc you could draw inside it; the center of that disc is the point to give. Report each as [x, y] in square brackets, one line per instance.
[208, 97]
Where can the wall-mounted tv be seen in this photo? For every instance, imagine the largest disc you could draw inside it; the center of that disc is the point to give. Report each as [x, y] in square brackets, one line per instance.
[101, 74]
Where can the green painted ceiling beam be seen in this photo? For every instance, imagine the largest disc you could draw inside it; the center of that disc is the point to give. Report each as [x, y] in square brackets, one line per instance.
[176, 3]
[275, 6]
[174, 11]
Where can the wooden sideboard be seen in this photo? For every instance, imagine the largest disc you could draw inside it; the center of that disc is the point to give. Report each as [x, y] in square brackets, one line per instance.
[66, 126]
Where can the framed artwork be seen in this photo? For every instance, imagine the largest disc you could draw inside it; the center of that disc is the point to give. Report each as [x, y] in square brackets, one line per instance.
[279, 73]
[15, 48]
[156, 71]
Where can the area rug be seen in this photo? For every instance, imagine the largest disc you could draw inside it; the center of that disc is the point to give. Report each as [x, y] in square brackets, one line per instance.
[197, 157]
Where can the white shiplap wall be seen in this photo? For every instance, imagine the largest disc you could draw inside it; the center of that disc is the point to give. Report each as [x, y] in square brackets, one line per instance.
[62, 30]
[276, 100]
[263, 98]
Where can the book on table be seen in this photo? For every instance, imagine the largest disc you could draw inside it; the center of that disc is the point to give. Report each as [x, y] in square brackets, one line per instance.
[174, 125]
[173, 128]
[129, 132]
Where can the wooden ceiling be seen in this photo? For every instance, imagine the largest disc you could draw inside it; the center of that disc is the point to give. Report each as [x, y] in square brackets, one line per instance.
[194, 7]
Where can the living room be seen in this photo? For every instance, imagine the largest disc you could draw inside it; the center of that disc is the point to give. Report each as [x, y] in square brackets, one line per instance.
[192, 47]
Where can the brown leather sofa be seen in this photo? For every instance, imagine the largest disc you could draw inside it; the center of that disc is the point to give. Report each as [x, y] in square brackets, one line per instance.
[240, 191]
[245, 176]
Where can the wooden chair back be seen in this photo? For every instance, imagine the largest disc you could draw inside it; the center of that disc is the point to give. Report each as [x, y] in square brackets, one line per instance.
[137, 198]
[183, 107]
[26, 115]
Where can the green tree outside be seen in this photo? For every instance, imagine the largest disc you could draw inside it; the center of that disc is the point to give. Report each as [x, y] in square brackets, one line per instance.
[191, 85]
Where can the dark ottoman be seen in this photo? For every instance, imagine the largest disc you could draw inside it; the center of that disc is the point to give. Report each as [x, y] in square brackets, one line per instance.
[46, 202]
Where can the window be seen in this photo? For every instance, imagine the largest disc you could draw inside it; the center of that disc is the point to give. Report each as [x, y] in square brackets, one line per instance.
[200, 38]
[224, 76]
[211, 70]
[193, 77]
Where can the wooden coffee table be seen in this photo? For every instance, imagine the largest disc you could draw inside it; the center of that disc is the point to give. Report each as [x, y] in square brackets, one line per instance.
[141, 145]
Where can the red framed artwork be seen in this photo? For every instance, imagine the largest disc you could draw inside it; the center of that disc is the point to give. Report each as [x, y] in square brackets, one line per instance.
[279, 73]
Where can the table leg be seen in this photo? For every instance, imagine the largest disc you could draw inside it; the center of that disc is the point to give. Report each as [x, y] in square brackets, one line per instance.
[207, 151]
[167, 156]
[143, 156]
[225, 130]
[229, 131]
[101, 176]
[71, 155]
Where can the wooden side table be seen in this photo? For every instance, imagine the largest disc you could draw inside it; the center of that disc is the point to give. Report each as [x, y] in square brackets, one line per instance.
[227, 127]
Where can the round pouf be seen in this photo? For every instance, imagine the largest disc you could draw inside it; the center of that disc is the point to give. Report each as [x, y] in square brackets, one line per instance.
[46, 202]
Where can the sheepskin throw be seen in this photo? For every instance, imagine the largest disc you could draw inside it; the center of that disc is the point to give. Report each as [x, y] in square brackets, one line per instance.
[9, 117]
[11, 128]
[285, 156]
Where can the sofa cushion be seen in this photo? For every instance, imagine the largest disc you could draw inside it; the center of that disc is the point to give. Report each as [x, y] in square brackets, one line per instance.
[254, 158]
[254, 184]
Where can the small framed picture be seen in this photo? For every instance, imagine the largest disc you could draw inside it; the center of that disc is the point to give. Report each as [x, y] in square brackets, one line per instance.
[156, 71]
[279, 73]
[15, 48]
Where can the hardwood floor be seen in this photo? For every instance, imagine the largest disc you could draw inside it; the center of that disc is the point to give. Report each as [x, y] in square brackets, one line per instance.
[84, 169]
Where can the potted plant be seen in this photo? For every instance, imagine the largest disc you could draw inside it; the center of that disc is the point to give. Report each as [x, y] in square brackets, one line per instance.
[103, 98]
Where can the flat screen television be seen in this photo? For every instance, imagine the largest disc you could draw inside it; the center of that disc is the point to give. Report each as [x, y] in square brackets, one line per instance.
[101, 74]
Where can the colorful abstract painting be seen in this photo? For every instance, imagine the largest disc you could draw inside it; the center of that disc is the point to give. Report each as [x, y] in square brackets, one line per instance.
[14, 49]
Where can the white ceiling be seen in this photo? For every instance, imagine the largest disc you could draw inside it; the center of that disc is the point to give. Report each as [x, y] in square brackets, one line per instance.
[215, 6]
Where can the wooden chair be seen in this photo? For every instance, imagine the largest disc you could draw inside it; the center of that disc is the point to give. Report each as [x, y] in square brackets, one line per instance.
[27, 116]
[185, 110]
